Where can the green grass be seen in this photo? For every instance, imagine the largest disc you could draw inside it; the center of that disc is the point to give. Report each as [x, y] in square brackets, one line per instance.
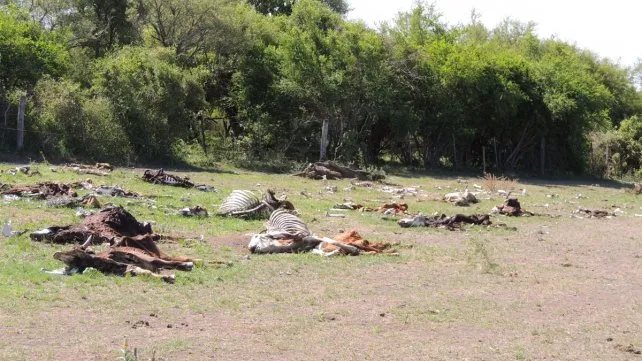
[24, 286]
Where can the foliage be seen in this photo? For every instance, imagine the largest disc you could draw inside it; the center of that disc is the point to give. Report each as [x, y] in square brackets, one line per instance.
[69, 122]
[154, 101]
[27, 52]
[248, 79]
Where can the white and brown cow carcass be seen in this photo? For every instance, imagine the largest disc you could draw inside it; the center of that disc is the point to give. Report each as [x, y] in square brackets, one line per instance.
[132, 246]
[461, 198]
[286, 233]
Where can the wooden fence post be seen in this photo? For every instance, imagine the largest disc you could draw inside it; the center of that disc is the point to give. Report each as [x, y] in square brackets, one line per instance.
[324, 139]
[21, 123]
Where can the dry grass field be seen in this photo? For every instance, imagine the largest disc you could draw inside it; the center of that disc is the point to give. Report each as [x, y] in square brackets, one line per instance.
[554, 287]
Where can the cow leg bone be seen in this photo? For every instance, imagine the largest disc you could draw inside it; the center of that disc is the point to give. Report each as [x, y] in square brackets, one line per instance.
[136, 271]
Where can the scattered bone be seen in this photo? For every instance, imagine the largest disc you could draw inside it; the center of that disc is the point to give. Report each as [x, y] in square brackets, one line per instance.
[387, 208]
[444, 221]
[364, 184]
[116, 191]
[196, 211]
[25, 169]
[331, 189]
[348, 205]
[335, 215]
[205, 188]
[86, 184]
[511, 207]
[503, 193]
[82, 213]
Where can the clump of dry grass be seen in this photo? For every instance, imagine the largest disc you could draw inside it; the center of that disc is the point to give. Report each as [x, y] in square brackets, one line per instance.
[493, 183]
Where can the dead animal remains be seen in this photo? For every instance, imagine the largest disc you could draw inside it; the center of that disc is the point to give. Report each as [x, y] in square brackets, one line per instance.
[132, 246]
[160, 177]
[108, 224]
[387, 208]
[286, 233]
[41, 190]
[451, 223]
[116, 191]
[99, 169]
[592, 213]
[332, 170]
[196, 211]
[511, 207]
[463, 199]
[89, 201]
[243, 203]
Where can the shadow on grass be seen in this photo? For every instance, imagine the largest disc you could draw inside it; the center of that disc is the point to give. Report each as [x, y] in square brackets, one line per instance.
[523, 177]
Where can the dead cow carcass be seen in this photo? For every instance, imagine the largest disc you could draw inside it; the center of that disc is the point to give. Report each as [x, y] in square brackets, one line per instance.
[132, 246]
[444, 221]
[160, 177]
[351, 238]
[511, 207]
[243, 203]
[41, 190]
[105, 226]
[332, 170]
[463, 199]
[286, 233]
[133, 256]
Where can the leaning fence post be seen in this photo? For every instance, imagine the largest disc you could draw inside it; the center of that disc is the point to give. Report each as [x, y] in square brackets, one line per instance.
[21, 122]
[324, 139]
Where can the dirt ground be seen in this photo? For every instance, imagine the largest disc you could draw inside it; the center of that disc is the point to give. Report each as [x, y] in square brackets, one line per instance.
[575, 294]
[556, 289]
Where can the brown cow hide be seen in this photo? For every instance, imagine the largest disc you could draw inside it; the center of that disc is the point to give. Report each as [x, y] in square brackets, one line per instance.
[109, 223]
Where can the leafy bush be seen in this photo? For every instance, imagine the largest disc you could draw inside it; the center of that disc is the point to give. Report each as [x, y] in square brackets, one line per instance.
[154, 101]
[67, 122]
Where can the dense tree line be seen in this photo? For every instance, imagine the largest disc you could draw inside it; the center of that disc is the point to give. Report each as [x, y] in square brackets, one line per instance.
[140, 80]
